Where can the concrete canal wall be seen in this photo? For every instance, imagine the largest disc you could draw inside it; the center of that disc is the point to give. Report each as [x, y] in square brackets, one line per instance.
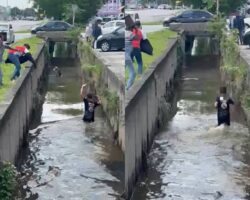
[148, 106]
[16, 109]
[239, 87]
[109, 85]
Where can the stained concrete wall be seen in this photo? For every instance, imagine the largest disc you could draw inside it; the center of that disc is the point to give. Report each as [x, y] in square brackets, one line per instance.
[147, 108]
[113, 83]
[16, 109]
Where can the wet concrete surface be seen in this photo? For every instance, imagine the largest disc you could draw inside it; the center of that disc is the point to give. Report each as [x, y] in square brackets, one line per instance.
[191, 158]
[67, 158]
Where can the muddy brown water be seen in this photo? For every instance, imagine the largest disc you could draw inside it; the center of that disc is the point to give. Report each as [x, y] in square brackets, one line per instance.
[68, 159]
[191, 159]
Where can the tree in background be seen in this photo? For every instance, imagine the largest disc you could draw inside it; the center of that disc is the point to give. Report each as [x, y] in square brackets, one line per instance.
[15, 12]
[226, 6]
[29, 12]
[52, 8]
[60, 9]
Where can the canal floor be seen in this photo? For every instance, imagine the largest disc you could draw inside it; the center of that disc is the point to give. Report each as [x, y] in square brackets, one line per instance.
[190, 158]
[67, 158]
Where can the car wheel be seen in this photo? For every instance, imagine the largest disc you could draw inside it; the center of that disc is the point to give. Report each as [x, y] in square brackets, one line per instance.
[13, 40]
[166, 24]
[105, 46]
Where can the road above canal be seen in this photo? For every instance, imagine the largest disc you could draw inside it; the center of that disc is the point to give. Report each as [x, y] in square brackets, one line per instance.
[67, 158]
[190, 158]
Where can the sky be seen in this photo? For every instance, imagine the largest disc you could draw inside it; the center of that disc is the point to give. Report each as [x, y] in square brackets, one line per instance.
[19, 3]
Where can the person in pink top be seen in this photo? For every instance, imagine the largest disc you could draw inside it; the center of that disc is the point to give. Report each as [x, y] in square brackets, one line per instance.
[136, 42]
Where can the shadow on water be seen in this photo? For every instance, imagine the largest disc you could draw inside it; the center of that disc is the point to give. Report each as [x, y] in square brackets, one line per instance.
[66, 158]
[191, 159]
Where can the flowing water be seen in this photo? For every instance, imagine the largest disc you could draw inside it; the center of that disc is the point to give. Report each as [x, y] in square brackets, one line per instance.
[67, 158]
[190, 158]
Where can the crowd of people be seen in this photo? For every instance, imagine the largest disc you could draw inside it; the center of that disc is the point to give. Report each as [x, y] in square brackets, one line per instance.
[16, 56]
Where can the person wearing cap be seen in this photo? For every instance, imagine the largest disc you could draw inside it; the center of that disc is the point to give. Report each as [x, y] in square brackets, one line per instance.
[18, 56]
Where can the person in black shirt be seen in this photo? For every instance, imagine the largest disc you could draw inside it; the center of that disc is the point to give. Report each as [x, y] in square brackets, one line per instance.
[90, 103]
[222, 104]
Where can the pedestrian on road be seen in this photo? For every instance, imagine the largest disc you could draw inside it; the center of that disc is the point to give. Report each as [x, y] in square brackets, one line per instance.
[240, 25]
[18, 56]
[90, 103]
[128, 60]
[88, 33]
[2, 48]
[136, 48]
[222, 104]
[97, 31]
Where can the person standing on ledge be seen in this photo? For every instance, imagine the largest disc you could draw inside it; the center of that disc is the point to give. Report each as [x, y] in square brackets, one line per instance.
[222, 104]
[18, 56]
[90, 103]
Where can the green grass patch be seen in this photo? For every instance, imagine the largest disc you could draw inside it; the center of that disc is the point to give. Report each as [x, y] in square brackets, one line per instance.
[23, 31]
[8, 69]
[152, 23]
[159, 41]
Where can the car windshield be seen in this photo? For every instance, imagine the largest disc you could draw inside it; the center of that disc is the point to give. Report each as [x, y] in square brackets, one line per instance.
[4, 27]
[120, 30]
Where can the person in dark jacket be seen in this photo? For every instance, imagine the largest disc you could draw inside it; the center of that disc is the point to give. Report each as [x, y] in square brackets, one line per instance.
[222, 104]
[96, 30]
[19, 56]
[240, 25]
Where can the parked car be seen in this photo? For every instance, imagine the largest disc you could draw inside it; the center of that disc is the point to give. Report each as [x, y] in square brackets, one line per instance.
[30, 18]
[52, 26]
[134, 15]
[107, 19]
[112, 25]
[189, 16]
[7, 32]
[113, 40]
[164, 6]
[246, 37]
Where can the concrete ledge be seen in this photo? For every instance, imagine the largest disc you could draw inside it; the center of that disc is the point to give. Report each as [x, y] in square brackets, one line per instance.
[112, 78]
[146, 107]
[16, 109]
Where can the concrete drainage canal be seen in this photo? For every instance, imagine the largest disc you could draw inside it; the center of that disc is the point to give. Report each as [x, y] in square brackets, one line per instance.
[189, 158]
[68, 159]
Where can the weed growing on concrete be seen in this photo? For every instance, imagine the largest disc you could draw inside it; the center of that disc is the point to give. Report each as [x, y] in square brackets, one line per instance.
[93, 69]
[112, 102]
[8, 180]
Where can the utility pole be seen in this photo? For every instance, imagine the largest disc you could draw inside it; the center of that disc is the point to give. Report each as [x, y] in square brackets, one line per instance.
[74, 9]
[217, 7]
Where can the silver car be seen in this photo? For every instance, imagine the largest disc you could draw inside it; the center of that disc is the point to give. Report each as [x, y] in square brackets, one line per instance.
[7, 32]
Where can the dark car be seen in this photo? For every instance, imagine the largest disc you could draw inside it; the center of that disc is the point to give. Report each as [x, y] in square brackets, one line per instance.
[246, 37]
[190, 16]
[52, 26]
[113, 40]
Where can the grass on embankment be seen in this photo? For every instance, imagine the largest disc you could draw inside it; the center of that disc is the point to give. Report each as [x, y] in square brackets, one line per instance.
[152, 23]
[159, 41]
[8, 69]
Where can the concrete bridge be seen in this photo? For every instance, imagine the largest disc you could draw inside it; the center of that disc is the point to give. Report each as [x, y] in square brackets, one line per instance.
[53, 37]
[193, 29]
